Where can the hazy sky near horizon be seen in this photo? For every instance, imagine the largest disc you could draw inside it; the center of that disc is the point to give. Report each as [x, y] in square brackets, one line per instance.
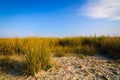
[59, 18]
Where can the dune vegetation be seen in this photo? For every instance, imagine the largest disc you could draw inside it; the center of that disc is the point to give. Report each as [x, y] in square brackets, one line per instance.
[33, 54]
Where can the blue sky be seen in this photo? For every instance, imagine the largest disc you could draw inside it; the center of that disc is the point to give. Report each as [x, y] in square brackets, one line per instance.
[59, 18]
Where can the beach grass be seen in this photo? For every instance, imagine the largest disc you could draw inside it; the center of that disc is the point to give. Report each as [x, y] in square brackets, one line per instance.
[38, 52]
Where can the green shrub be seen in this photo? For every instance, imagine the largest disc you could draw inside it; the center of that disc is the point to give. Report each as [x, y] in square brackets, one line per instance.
[47, 67]
[80, 55]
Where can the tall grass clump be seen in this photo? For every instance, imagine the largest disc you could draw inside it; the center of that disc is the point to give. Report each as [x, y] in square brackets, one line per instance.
[111, 46]
[37, 56]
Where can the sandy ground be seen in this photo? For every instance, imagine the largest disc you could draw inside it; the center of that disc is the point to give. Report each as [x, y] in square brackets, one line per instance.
[71, 68]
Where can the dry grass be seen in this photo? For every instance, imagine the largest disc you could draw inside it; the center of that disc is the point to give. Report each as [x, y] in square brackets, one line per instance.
[37, 56]
[37, 51]
[111, 46]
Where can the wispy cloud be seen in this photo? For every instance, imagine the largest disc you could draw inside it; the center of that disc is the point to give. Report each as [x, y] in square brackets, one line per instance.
[102, 9]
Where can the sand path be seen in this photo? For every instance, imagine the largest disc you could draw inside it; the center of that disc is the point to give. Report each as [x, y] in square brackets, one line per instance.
[71, 68]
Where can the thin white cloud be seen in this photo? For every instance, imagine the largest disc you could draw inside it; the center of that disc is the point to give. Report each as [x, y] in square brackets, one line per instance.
[102, 9]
